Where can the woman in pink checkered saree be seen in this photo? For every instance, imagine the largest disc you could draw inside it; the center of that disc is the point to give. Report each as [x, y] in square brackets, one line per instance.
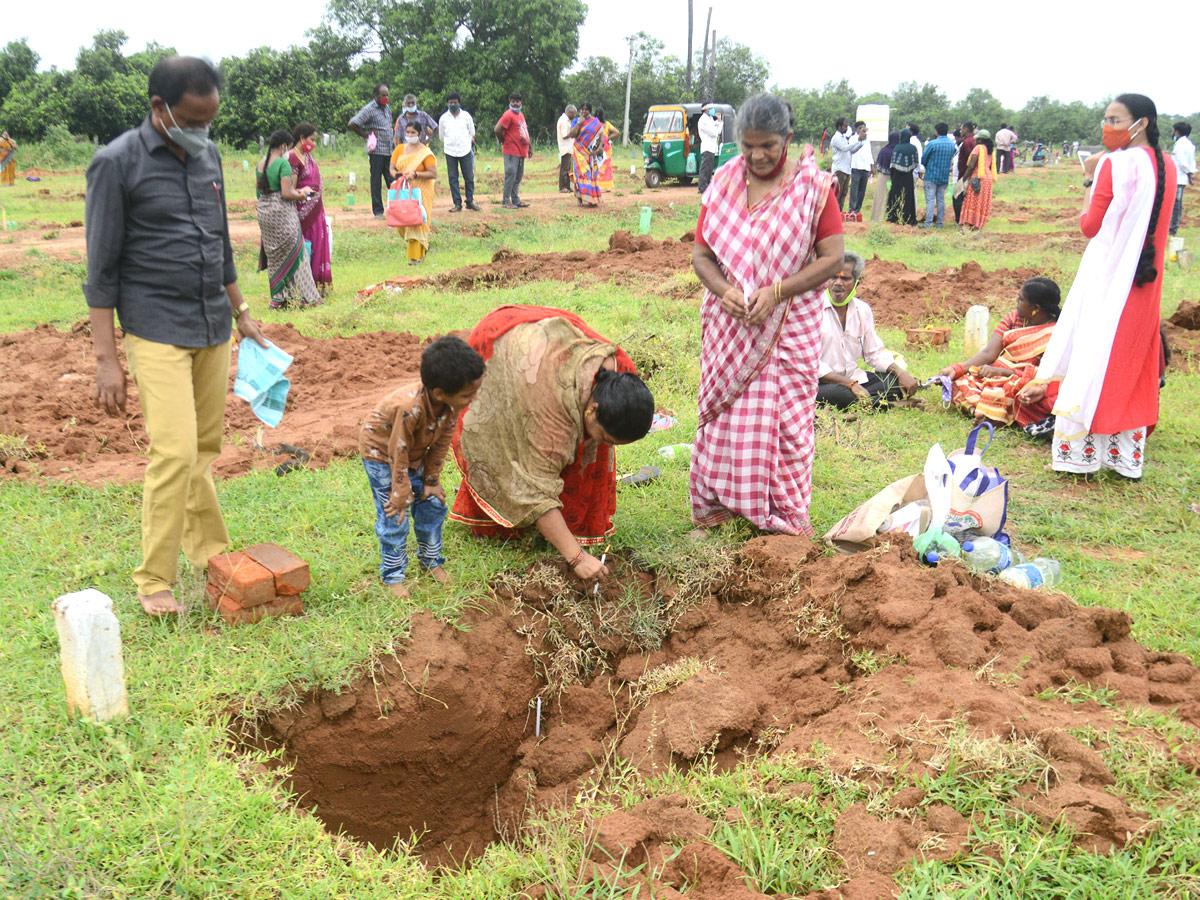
[768, 238]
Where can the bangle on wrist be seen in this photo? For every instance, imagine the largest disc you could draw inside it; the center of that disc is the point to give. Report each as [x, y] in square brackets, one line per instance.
[241, 309]
[578, 558]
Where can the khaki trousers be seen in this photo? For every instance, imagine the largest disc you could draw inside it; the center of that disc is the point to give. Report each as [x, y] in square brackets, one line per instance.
[182, 393]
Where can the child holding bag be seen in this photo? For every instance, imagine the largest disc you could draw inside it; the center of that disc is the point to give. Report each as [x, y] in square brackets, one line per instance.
[415, 163]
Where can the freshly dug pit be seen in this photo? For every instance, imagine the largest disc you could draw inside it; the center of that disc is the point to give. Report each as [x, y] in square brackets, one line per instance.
[872, 656]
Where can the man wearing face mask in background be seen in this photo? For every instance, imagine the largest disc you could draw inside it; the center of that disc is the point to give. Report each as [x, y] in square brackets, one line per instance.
[410, 113]
[710, 127]
[513, 134]
[158, 253]
[374, 120]
[457, 129]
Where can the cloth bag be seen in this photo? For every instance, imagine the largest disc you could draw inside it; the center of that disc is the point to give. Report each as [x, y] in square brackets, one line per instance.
[404, 210]
[978, 493]
[978, 501]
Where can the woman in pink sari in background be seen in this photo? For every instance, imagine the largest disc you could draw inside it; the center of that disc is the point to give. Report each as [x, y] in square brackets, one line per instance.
[768, 239]
[313, 227]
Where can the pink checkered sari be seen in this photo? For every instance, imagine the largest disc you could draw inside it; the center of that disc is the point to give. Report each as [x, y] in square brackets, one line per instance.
[758, 385]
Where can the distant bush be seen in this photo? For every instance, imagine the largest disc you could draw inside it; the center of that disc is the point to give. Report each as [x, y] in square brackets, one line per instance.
[58, 149]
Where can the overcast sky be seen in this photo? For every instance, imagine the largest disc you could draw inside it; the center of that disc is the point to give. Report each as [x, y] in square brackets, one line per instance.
[1020, 50]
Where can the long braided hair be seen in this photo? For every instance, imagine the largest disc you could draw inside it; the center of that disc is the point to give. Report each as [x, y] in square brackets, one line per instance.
[1140, 106]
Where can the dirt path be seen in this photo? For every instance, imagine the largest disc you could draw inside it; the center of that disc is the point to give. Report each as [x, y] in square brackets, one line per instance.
[66, 242]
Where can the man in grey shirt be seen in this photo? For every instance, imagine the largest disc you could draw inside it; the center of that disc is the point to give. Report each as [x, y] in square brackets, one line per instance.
[375, 119]
[158, 254]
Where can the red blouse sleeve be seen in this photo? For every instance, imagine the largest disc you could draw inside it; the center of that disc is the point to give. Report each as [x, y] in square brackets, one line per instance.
[1102, 194]
[700, 229]
[830, 222]
[1012, 320]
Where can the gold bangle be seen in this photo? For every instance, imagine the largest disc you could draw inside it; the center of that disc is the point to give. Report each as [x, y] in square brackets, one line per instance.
[241, 309]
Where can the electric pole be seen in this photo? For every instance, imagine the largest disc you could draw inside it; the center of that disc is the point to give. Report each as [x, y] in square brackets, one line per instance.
[691, 29]
[628, 89]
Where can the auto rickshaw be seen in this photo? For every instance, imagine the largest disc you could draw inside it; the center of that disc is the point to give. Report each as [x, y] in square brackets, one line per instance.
[671, 141]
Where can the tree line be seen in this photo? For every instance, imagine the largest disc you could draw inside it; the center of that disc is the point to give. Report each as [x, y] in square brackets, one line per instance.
[483, 49]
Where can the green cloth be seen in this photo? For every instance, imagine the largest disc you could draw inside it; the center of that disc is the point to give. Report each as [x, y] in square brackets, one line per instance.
[276, 172]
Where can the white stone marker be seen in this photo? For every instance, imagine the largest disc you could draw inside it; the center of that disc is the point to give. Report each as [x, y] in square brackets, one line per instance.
[90, 645]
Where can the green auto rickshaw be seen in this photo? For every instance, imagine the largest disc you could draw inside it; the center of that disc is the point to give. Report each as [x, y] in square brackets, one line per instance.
[671, 141]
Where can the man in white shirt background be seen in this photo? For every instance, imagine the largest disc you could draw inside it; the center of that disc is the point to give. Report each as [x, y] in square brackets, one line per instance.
[1184, 155]
[564, 148]
[862, 167]
[1005, 139]
[848, 335]
[711, 126]
[915, 140]
[844, 145]
[457, 130]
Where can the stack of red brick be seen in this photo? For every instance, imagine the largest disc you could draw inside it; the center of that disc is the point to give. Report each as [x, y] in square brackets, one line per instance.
[260, 581]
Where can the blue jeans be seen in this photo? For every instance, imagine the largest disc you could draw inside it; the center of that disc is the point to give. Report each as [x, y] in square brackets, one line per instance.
[467, 164]
[935, 192]
[427, 515]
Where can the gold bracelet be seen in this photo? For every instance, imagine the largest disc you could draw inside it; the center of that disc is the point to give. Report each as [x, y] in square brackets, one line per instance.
[241, 309]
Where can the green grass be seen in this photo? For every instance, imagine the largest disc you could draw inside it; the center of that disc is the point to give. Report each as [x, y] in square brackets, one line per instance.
[155, 806]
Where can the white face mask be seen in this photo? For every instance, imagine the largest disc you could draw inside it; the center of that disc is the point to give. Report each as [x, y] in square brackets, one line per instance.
[192, 140]
[412, 139]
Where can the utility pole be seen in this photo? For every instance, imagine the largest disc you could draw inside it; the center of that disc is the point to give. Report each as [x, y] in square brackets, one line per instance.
[628, 89]
[691, 30]
[704, 57]
[710, 78]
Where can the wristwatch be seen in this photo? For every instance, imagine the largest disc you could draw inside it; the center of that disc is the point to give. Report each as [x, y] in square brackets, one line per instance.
[241, 309]
[1087, 182]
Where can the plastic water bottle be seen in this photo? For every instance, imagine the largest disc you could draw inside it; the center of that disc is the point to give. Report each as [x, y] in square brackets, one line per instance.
[989, 556]
[1042, 571]
[673, 450]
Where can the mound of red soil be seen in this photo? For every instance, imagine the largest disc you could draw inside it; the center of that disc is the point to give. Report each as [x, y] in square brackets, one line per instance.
[902, 297]
[881, 661]
[1187, 316]
[47, 378]
[629, 258]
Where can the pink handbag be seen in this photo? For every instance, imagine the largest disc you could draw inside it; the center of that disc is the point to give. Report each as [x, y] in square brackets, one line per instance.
[404, 210]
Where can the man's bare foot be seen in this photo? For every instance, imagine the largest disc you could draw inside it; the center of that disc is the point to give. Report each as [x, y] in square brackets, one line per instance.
[440, 575]
[398, 590]
[160, 603]
[698, 534]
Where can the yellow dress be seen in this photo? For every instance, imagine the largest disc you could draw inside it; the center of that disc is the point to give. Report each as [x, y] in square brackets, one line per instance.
[409, 164]
[8, 152]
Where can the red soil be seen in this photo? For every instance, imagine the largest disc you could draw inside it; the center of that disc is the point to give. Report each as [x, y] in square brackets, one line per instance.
[48, 378]
[441, 739]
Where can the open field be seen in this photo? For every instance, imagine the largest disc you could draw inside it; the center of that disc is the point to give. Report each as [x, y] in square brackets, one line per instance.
[797, 721]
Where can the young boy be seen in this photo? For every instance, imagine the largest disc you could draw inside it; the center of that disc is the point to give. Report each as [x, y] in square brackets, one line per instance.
[403, 445]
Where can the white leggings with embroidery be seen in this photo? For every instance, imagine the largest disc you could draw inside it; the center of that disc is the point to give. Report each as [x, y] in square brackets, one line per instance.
[1124, 452]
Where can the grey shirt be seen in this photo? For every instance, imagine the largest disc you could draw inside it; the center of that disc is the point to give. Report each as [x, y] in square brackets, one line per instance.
[158, 246]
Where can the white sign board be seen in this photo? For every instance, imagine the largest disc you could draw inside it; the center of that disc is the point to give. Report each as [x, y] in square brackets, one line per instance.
[876, 117]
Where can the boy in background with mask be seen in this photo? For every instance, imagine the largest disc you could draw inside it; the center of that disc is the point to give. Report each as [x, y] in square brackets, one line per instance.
[158, 253]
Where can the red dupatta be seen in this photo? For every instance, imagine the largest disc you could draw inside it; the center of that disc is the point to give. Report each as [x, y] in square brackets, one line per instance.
[589, 495]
